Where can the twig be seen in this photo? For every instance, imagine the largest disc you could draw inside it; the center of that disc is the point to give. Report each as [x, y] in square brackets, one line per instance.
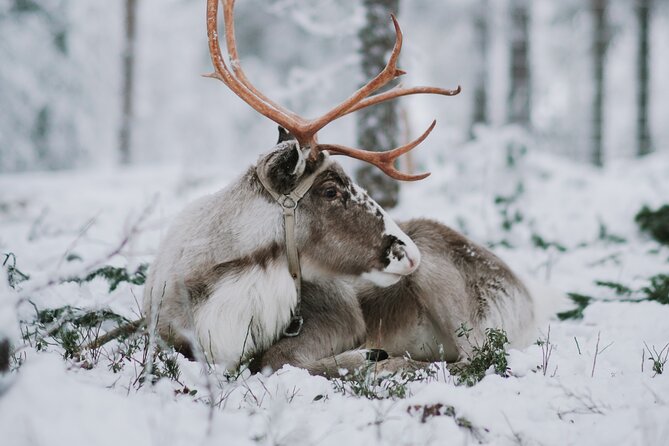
[134, 229]
[123, 330]
[546, 351]
[154, 311]
[200, 357]
[82, 232]
[516, 436]
[594, 361]
[585, 399]
[577, 346]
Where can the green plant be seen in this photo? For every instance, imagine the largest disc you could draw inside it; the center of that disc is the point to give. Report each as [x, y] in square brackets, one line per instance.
[506, 206]
[657, 358]
[115, 275]
[515, 151]
[618, 288]
[606, 236]
[365, 382]
[539, 242]
[76, 332]
[491, 353]
[546, 351]
[14, 275]
[68, 327]
[658, 289]
[656, 223]
[581, 301]
[427, 411]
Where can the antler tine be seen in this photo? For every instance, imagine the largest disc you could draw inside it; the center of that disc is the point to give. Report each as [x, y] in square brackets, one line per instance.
[305, 130]
[389, 73]
[397, 92]
[383, 160]
[246, 93]
[231, 43]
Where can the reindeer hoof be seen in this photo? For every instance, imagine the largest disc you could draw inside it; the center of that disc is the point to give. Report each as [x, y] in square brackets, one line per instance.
[376, 354]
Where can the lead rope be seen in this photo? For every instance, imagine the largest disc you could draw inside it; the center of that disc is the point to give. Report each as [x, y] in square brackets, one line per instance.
[289, 203]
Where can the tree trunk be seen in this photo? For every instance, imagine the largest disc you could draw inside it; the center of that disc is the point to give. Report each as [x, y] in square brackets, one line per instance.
[600, 43]
[4, 355]
[520, 92]
[643, 8]
[481, 34]
[378, 125]
[125, 133]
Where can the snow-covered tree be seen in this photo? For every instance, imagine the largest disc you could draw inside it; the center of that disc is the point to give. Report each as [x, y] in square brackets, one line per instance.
[520, 90]
[127, 113]
[481, 54]
[643, 10]
[378, 126]
[600, 38]
[36, 127]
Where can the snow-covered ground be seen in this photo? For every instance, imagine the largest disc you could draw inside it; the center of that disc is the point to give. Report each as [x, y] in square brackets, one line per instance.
[555, 222]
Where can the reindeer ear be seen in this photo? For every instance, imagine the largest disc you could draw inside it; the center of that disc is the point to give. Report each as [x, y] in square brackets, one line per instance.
[284, 167]
[284, 135]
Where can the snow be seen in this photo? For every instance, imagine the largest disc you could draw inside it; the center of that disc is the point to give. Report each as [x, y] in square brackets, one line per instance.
[594, 390]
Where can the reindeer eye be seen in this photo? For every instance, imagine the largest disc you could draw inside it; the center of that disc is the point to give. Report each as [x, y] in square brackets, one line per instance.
[330, 193]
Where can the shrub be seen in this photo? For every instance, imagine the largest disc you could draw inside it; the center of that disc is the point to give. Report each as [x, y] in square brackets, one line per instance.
[115, 275]
[656, 223]
[491, 354]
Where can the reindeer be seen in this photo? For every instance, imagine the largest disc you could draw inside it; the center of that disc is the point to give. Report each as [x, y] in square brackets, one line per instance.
[293, 263]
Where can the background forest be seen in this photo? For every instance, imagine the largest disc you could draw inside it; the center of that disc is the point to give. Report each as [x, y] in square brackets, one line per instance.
[89, 84]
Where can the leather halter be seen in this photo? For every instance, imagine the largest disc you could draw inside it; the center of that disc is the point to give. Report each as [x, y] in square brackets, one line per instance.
[288, 203]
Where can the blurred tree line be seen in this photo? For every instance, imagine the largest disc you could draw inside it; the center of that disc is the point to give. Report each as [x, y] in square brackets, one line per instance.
[83, 82]
[384, 125]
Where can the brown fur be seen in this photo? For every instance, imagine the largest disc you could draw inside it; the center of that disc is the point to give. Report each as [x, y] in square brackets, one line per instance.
[362, 236]
[333, 323]
[341, 234]
[199, 287]
[457, 282]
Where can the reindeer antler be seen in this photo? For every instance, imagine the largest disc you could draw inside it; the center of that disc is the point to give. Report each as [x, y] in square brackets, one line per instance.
[305, 130]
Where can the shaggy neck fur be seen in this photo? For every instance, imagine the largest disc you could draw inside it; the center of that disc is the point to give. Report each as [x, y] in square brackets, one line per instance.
[245, 312]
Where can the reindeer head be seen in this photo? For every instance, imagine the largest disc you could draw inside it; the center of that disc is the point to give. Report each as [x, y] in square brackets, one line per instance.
[340, 229]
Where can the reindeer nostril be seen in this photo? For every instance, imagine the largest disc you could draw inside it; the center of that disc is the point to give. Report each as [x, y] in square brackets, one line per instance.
[399, 256]
[391, 249]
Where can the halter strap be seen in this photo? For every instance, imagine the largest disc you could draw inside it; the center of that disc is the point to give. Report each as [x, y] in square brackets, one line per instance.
[288, 203]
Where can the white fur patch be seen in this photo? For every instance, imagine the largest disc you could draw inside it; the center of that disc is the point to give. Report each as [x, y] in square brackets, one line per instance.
[301, 161]
[411, 259]
[245, 313]
[380, 278]
[247, 233]
[399, 265]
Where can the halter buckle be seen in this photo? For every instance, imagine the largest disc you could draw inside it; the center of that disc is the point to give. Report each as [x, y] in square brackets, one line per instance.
[293, 329]
[288, 202]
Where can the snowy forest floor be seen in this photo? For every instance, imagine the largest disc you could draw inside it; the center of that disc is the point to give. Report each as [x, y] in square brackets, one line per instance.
[592, 379]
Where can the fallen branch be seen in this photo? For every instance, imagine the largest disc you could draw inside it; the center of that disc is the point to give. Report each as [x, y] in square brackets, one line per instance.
[124, 330]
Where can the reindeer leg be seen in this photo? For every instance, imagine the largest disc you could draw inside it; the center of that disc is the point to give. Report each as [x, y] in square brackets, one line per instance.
[399, 364]
[333, 328]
